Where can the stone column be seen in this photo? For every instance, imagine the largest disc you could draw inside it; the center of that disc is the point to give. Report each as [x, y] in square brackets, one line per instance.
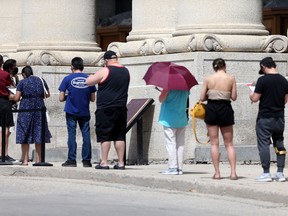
[53, 29]
[229, 26]
[58, 25]
[231, 17]
[153, 19]
[151, 22]
[166, 26]
[10, 16]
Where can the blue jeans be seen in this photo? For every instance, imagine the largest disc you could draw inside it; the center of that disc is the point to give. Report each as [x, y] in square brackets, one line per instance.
[84, 124]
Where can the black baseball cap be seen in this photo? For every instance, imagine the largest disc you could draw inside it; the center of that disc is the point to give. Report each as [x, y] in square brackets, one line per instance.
[110, 55]
[267, 62]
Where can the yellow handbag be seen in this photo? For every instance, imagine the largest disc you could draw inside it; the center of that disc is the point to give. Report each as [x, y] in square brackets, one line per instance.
[198, 111]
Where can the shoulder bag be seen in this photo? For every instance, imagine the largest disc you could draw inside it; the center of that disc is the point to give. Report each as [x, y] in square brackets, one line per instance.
[45, 93]
[198, 111]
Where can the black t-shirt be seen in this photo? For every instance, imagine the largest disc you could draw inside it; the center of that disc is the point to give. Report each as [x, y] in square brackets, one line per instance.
[113, 91]
[273, 88]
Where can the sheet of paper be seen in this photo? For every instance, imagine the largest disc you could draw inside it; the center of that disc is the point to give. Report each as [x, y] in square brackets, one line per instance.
[251, 87]
[12, 90]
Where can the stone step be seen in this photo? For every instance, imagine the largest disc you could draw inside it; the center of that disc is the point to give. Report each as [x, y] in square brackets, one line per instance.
[60, 155]
[246, 153]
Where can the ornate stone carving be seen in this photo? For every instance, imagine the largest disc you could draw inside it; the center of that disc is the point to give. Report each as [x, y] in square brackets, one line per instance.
[47, 58]
[276, 43]
[202, 42]
[180, 44]
[158, 47]
[211, 43]
[55, 58]
[136, 48]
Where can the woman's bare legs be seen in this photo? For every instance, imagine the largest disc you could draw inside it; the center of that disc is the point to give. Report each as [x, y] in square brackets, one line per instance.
[25, 153]
[213, 131]
[38, 153]
[227, 133]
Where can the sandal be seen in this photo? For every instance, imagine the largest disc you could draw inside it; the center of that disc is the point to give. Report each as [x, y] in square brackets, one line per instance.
[99, 166]
[119, 167]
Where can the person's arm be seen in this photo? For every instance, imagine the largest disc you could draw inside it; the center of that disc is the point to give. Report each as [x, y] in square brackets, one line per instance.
[62, 96]
[92, 97]
[286, 98]
[163, 95]
[17, 96]
[203, 96]
[97, 77]
[234, 90]
[255, 97]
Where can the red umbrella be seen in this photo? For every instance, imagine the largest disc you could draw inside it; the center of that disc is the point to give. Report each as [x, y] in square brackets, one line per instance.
[170, 76]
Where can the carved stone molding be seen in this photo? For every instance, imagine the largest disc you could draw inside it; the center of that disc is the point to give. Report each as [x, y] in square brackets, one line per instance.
[202, 42]
[158, 46]
[275, 43]
[55, 58]
[139, 48]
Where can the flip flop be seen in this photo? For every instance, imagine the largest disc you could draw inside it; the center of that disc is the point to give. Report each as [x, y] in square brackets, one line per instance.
[119, 167]
[99, 166]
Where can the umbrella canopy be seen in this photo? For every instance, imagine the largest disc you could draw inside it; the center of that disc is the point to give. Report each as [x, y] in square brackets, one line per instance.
[170, 76]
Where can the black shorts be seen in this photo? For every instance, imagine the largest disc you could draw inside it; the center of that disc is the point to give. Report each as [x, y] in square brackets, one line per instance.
[6, 109]
[219, 112]
[111, 124]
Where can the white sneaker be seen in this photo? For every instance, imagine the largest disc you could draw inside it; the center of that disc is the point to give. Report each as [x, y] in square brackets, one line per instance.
[264, 177]
[170, 171]
[180, 172]
[279, 176]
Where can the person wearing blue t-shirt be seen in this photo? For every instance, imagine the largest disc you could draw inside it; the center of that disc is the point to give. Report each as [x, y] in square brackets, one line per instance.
[77, 94]
[174, 119]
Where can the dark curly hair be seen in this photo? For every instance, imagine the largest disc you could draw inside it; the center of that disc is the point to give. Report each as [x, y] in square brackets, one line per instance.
[218, 64]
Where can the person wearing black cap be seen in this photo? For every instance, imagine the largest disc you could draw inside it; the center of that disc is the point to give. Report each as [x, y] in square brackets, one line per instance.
[111, 114]
[272, 92]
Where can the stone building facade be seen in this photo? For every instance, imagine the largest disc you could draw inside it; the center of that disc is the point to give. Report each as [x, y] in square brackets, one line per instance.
[48, 34]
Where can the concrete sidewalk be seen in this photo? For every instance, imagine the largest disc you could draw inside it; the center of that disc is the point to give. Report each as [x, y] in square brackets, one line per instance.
[197, 178]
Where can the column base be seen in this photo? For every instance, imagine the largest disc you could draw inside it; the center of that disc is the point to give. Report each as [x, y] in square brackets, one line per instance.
[202, 42]
[55, 57]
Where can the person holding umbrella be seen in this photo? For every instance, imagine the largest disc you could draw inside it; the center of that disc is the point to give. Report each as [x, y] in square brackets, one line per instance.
[176, 81]
[174, 119]
[219, 89]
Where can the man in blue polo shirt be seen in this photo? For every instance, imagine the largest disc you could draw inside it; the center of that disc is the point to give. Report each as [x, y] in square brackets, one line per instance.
[77, 94]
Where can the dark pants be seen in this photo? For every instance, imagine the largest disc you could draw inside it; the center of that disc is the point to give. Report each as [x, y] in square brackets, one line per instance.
[84, 125]
[267, 128]
[6, 109]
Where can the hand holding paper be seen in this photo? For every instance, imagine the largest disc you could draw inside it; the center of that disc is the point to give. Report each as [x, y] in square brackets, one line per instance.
[12, 90]
[251, 86]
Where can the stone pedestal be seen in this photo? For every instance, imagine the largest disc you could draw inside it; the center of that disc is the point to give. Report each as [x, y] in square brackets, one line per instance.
[188, 32]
